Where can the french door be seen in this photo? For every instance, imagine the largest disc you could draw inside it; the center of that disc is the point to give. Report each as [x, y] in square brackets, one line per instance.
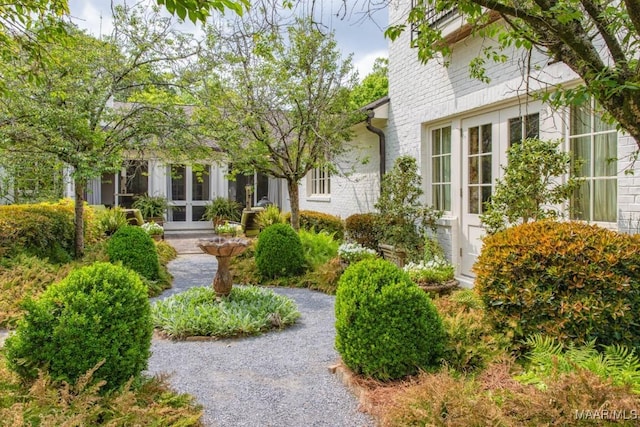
[189, 191]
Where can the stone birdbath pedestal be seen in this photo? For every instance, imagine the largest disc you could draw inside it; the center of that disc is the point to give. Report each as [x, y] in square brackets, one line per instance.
[223, 248]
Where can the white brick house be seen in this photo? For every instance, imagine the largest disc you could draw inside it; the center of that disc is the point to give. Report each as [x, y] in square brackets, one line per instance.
[459, 130]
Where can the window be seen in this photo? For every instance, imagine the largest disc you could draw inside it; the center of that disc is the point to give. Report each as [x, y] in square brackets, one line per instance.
[524, 127]
[594, 147]
[319, 182]
[441, 168]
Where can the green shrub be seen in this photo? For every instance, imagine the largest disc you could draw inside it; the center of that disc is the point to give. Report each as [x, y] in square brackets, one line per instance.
[136, 250]
[386, 327]
[569, 280]
[362, 229]
[98, 313]
[279, 252]
[44, 230]
[354, 252]
[318, 247]
[319, 221]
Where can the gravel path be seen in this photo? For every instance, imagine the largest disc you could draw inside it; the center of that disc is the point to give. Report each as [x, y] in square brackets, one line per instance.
[278, 379]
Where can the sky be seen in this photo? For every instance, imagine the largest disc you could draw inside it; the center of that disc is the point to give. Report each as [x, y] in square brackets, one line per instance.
[355, 32]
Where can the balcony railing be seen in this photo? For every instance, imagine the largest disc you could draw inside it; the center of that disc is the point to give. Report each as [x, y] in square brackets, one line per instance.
[433, 17]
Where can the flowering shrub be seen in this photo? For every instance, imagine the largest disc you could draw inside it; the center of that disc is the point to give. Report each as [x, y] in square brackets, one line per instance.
[152, 228]
[227, 228]
[437, 270]
[354, 252]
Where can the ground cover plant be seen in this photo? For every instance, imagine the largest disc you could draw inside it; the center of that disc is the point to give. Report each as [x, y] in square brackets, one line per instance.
[246, 311]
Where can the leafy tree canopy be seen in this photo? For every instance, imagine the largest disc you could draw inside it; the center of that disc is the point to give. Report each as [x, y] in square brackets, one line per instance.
[374, 86]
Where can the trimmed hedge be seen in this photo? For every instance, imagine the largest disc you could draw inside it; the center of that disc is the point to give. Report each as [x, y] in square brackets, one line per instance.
[45, 230]
[362, 229]
[98, 313]
[319, 221]
[386, 327]
[279, 252]
[568, 280]
[135, 249]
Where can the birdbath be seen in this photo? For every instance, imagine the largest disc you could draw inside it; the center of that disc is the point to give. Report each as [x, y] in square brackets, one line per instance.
[223, 248]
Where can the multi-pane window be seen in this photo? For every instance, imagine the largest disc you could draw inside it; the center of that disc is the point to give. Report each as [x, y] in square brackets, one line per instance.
[480, 163]
[594, 146]
[441, 168]
[524, 127]
[320, 182]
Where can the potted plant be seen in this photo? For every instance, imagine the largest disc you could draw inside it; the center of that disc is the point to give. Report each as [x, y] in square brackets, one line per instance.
[152, 208]
[221, 209]
[156, 231]
[229, 229]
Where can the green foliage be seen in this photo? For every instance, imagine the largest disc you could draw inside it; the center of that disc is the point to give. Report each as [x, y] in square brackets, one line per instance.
[110, 220]
[569, 280]
[279, 252]
[269, 216]
[320, 221]
[221, 209]
[386, 327]
[471, 343]
[436, 271]
[548, 357]
[136, 250]
[403, 218]
[362, 229]
[200, 10]
[374, 86]
[531, 184]
[318, 247]
[98, 313]
[354, 252]
[44, 230]
[151, 206]
[246, 311]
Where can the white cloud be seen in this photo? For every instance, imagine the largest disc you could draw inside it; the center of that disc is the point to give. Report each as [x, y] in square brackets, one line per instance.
[364, 63]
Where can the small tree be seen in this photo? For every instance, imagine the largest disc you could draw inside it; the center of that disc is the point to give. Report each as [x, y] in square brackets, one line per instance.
[374, 86]
[531, 186]
[403, 216]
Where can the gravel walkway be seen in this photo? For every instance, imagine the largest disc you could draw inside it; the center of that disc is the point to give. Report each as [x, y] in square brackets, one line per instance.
[278, 379]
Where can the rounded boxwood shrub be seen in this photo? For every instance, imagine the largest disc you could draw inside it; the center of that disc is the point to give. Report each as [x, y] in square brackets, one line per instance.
[362, 229]
[279, 252]
[569, 280]
[386, 327]
[135, 249]
[97, 313]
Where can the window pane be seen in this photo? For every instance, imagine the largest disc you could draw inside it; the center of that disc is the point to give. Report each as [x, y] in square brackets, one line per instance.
[435, 141]
[599, 125]
[177, 213]
[437, 196]
[605, 155]
[474, 200]
[446, 140]
[533, 125]
[580, 202]
[486, 195]
[197, 212]
[580, 121]
[486, 138]
[605, 194]
[515, 130]
[474, 143]
[486, 169]
[200, 184]
[581, 149]
[178, 183]
[473, 170]
[437, 171]
[447, 197]
[446, 169]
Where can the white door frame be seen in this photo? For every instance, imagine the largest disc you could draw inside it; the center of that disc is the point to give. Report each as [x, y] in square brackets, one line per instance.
[188, 204]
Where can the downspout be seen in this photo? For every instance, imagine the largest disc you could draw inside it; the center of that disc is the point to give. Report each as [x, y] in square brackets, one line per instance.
[381, 139]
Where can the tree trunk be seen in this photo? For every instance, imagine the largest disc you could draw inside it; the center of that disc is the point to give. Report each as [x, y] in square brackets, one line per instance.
[79, 217]
[294, 200]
